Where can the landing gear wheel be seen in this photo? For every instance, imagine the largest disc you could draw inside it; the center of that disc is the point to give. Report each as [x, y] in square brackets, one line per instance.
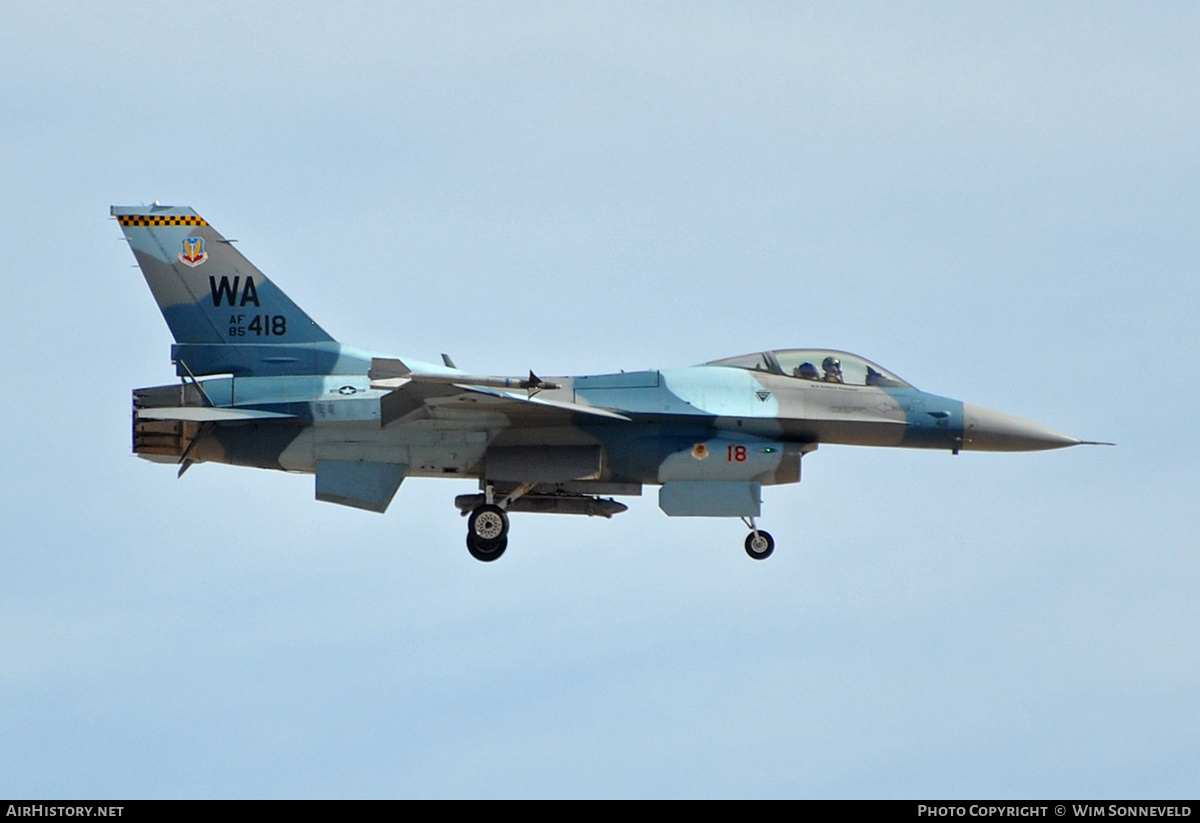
[487, 532]
[487, 551]
[488, 524]
[760, 544]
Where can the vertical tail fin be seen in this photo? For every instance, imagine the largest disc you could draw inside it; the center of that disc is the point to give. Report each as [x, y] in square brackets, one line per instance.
[207, 291]
[225, 314]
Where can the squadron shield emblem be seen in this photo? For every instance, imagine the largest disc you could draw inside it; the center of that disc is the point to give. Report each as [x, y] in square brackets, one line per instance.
[193, 253]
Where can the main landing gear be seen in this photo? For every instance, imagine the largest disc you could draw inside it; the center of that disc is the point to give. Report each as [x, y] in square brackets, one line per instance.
[759, 544]
[487, 532]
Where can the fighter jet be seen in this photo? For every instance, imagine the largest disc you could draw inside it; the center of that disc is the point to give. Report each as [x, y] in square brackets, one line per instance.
[278, 392]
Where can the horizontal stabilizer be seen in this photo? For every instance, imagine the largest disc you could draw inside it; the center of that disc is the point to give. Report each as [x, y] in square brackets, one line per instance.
[210, 414]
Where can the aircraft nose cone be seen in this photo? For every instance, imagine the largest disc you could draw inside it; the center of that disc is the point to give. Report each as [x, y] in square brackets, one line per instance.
[993, 431]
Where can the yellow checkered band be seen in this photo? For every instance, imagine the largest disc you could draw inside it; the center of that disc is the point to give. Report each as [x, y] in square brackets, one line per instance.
[161, 220]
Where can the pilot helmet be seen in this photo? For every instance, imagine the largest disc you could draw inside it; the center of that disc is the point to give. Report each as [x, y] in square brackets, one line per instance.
[832, 365]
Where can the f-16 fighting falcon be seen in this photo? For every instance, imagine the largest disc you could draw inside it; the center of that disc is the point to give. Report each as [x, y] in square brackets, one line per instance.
[280, 393]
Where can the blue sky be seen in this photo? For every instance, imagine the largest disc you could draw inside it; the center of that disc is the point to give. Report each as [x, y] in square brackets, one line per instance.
[997, 202]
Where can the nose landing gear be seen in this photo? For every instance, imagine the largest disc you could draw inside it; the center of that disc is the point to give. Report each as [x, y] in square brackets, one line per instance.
[759, 544]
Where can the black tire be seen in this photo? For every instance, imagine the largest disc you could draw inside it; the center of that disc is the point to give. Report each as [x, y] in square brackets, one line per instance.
[487, 524]
[486, 551]
[760, 544]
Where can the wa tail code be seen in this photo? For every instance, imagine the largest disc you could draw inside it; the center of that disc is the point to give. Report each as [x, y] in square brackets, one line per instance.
[223, 290]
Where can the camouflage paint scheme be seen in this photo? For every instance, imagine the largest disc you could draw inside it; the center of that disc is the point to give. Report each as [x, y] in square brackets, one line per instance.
[290, 397]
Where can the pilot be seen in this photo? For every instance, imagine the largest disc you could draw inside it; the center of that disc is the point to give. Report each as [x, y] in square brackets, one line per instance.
[833, 370]
[807, 371]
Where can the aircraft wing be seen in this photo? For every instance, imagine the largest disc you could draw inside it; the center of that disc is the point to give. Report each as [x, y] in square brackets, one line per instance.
[574, 408]
[423, 394]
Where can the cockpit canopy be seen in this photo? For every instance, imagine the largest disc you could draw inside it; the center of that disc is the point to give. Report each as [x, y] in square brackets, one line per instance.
[819, 365]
